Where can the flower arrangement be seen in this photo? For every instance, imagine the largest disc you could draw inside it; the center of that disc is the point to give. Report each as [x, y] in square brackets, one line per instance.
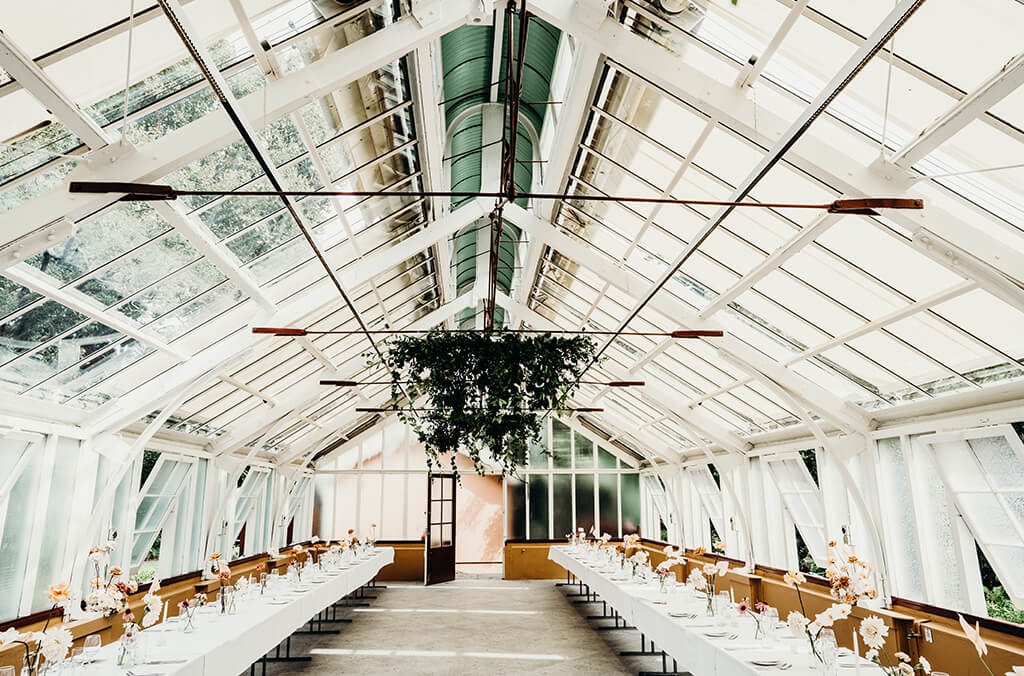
[51, 644]
[630, 541]
[710, 573]
[718, 546]
[109, 593]
[153, 605]
[755, 612]
[188, 608]
[699, 552]
[974, 636]
[696, 579]
[223, 577]
[664, 569]
[849, 581]
[638, 559]
[873, 630]
[129, 635]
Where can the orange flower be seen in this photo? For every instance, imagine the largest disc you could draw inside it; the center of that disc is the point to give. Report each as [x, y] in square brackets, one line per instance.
[351, 530]
[699, 551]
[795, 577]
[59, 592]
[115, 571]
[214, 556]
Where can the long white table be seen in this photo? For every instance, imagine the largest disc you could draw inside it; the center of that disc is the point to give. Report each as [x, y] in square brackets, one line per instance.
[223, 645]
[684, 639]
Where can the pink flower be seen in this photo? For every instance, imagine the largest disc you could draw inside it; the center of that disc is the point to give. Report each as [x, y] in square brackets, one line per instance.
[743, 608]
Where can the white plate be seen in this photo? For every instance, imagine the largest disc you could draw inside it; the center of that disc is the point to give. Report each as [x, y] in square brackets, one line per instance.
[678, 613]
[766, 661]
[279, 602]
[716, 633]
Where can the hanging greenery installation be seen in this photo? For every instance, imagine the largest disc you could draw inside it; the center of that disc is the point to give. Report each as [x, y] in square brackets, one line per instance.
[485, 391]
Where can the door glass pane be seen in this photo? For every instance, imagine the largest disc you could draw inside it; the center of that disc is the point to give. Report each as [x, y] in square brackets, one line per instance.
[584, 452]
[538, 487]
[608, 503]
[446, 535]
[585, 501]
[631, 503]
[561, 445]
[562, 507]
[515, 514]
[538, 452]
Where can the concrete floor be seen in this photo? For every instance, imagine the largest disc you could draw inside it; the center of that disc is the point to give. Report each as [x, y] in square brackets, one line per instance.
[474, 625]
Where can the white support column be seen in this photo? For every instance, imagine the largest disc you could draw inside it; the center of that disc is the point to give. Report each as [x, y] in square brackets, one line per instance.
[22, 68]
[993, 90]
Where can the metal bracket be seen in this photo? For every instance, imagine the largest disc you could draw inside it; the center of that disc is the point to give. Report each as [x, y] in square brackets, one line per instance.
[36, 241]
[426, 12]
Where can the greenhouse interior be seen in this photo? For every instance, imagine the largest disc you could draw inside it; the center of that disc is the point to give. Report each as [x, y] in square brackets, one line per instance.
[650, 337]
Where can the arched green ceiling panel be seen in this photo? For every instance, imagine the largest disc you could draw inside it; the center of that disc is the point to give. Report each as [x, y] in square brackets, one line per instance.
[466, 59]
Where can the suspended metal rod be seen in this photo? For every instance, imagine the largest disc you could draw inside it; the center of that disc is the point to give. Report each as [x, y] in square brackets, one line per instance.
[854, 65]
[151, 192]
[354, 383]
[522, 410]
[287, 331]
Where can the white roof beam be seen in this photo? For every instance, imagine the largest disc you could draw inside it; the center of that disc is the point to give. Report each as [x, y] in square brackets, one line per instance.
[815, 155]
[83, 304]
[211, 132]
[793, 246]
[174, 213]
[309, 346]
[22, 68]
[749, 74]
[572, 117]
[245, 387]
[993, 90]
[841, 414]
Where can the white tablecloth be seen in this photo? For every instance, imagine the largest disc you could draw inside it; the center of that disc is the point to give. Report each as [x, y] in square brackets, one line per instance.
[223, 645]
[684, 639]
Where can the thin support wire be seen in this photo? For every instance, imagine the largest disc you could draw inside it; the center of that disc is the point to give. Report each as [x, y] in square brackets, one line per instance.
[128, 70]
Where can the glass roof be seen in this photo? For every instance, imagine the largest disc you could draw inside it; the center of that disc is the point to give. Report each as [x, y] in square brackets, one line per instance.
[144, 300]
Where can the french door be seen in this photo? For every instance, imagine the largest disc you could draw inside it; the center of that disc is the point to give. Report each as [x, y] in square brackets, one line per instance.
[439, 557]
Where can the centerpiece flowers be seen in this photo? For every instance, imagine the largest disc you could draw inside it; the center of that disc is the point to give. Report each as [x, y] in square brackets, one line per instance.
[874, 630]
[709, 581]
[638, 559]
[109, 593]
[128, 641]
[755, 612]
[850, 580]
[223, 577]
[49, 646]
[487, 390]
[664, 569]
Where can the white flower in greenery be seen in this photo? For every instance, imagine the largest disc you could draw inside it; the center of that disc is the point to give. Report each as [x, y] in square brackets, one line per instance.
[905, 669]
[55, 644]
[926, 666]
[797, 624]
[710, 569]
[840, 611]
[902, 657]
[873, 630]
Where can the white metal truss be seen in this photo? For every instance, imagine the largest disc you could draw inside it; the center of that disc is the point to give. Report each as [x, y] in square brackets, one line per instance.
[23, 69]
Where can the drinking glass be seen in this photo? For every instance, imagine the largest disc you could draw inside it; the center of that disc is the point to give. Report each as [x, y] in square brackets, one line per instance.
[6, 671]
[828, 649]
[770, 623]
[91, 647]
